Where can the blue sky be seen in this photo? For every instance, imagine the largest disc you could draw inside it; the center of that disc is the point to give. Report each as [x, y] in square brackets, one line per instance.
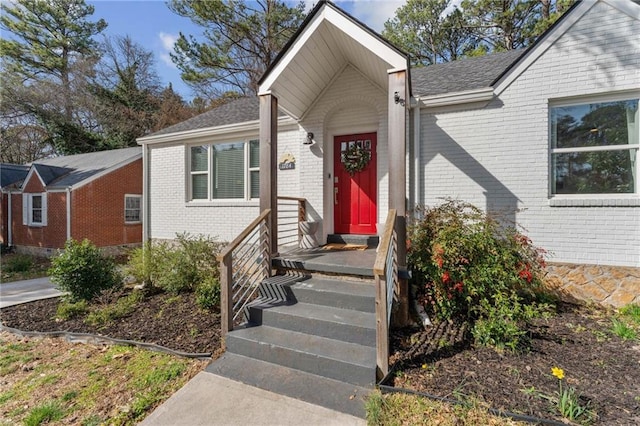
[153, 25]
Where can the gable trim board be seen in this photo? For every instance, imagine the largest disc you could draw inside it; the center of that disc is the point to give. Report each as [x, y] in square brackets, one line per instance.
[297, 77]
[546, 40]
[32, 171]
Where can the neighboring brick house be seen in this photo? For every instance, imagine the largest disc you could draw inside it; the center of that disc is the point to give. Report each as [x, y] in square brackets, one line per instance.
[548, 136]
[11, 175]
[96, 196]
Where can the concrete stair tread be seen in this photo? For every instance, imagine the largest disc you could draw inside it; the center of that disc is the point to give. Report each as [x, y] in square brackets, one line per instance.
[345, 352]
[326, 314]
[344, 294]
[349, 287]
[326, 392]
[364, 239]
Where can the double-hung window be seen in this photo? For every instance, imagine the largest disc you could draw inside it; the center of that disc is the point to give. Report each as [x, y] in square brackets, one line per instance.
[594, 147]
[132, 205]
[224, 171]
[34, 209]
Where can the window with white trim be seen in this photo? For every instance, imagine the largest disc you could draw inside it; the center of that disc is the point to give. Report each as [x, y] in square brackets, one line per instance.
[594, 147]
[224, 171]
[132, 205]
[34, 209]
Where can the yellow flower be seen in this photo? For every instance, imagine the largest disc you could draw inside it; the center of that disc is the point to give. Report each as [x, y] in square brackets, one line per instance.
[424, 366]
[558, 372]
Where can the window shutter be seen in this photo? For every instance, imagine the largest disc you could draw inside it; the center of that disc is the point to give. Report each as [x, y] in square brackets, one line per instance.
[25, 209]
[44, 209]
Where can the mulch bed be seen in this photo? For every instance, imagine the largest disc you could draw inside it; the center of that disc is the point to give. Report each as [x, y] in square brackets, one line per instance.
[441, 361]
[604, 369]
[172, 322]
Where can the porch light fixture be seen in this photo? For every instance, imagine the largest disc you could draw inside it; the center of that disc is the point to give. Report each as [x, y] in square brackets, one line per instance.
[397, 99]
[309, 139]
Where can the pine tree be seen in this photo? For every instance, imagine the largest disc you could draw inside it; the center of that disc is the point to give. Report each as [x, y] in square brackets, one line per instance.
[240, 40]
[51, 48]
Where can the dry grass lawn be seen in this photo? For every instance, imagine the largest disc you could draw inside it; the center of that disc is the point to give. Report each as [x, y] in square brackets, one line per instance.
[44, 380]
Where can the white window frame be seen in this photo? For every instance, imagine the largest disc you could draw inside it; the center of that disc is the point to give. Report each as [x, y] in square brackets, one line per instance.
[565, 200]
[246, 141]
[27, 209]
[132, 196]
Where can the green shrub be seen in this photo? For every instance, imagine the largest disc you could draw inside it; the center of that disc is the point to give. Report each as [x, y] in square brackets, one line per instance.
[139, 264]
[83, 271]
[18, 263]
[467, 266]
[208, 293]
[120, 309]
[176, 267]
[67, 310]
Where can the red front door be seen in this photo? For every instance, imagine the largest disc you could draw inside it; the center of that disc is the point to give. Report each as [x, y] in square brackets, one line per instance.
[355, 190]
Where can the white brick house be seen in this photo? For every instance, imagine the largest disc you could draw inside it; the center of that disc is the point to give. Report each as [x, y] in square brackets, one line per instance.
[549, 136]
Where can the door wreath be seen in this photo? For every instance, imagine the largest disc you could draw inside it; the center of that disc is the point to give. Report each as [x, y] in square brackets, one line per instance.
[355, 159]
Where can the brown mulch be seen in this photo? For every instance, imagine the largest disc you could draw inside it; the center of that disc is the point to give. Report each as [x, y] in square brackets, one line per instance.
[441, 361]
[604, 369]
[169, 321]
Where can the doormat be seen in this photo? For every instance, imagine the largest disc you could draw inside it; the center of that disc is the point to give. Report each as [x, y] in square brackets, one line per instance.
[338, 246]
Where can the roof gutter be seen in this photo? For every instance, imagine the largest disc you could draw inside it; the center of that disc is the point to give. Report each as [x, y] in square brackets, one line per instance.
[68, 200]
[192, 136]
[484, 94]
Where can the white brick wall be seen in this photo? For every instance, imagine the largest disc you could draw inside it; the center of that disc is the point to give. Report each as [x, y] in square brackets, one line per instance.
[171, 214]
[351, 105]
[497, 157]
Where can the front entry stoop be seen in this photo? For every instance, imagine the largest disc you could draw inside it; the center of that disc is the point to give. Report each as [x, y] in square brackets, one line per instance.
[308, 336]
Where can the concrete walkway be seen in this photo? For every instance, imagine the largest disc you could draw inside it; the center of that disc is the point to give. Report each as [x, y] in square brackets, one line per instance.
[209, 399]
[16, 292]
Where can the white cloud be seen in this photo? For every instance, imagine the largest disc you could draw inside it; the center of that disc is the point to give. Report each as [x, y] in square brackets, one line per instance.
[167, 40]
[374, 13]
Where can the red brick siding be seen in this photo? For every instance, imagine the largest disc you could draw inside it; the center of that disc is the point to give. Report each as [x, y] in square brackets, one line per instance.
[51, 236]
[97, 209]
[34, 184]
[4, 229]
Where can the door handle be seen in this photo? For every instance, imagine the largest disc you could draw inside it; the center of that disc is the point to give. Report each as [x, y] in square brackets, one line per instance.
[335, 196]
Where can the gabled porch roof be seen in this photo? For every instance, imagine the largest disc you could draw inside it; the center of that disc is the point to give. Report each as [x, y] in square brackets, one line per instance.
[327, 41]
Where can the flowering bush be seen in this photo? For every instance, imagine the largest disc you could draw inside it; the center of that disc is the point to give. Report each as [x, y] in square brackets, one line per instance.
[467, 266]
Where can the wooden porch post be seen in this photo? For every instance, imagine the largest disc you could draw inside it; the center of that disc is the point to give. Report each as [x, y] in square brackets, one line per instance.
[268, 161]
[398, 177]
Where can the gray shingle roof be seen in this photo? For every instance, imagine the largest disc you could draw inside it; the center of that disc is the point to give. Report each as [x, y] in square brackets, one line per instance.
[12, 173]
[62, 172]
[461, 75]
[237, 111]
[50, 173]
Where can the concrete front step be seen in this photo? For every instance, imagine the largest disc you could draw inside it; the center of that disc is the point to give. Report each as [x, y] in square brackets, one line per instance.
[366, 240]
[335, 359]
[337, 293]
[329, 393]
[334, 323]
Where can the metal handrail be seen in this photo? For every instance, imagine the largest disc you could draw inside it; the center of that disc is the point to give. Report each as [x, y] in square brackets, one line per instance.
[385, 271]
[244, 263]
[291, 211]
